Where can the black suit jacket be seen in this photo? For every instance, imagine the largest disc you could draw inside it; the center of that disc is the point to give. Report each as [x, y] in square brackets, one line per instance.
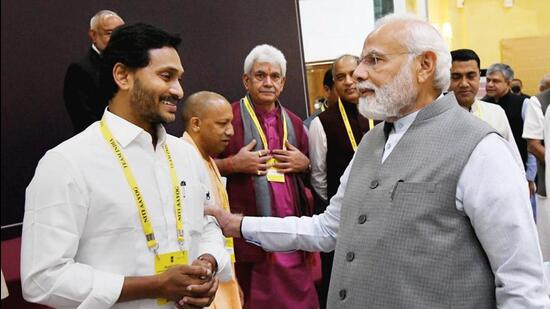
[512, 105]
[81, 91]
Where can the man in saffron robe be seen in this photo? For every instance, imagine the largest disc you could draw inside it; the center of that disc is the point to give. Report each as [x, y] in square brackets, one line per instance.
[207, 121]
[264, 163]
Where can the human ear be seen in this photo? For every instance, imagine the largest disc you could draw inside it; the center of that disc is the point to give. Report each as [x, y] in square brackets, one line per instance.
[246, 79]
[122, 77]
[195, 124]
[426, 68]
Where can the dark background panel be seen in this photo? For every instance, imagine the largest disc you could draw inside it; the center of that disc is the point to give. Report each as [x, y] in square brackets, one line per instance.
[40, 39]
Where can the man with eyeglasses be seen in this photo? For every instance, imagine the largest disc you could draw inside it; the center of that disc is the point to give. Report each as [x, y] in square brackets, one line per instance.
[433, 211]
[264, 164]
[333, 139]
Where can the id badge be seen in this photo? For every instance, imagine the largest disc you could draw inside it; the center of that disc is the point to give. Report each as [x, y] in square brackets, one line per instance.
[167, 260]
[273, 174]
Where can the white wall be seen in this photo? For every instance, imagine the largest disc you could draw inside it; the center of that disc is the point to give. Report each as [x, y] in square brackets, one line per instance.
[331, 28]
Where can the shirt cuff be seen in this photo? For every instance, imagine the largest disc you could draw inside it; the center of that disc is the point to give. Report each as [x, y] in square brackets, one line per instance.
[105, 291]
[249, 226]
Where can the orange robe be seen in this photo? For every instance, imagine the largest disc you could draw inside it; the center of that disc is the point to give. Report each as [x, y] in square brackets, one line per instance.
[227, 296]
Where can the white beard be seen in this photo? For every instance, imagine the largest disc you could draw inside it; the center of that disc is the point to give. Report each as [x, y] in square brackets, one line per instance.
[388, 100]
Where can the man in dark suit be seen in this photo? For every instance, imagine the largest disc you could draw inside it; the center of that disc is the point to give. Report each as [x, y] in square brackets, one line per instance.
[499, 77]
[81, 89]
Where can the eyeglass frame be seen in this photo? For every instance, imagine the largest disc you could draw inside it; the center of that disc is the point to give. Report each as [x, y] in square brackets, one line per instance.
[377, 57]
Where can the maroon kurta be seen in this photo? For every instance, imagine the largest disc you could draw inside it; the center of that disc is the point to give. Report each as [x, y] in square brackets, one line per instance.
[278, 279]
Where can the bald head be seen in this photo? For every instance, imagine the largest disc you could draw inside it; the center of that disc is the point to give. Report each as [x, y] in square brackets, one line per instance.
[199, 104]
[207, 119]
[101, 26]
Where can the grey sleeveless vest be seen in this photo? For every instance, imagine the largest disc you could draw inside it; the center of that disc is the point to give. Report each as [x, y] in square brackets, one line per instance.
[401, 242]
[544, 99]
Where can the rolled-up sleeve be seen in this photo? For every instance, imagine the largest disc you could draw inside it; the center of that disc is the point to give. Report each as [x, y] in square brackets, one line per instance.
[55, 214]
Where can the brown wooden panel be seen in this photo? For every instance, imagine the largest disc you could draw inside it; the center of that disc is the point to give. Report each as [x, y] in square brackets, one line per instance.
[315, 73]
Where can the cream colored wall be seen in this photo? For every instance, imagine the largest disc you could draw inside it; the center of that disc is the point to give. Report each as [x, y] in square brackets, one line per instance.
[481, 25]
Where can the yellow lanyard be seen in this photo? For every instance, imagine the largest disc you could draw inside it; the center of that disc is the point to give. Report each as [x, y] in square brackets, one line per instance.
[259, 127]
[152, 243]
[348, 127]
[478, 112]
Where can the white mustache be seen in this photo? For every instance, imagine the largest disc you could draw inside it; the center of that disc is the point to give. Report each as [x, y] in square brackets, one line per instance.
[366, 85]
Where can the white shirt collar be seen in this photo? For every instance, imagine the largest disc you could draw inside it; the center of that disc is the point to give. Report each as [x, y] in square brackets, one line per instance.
[96, 50]
[402, 124]
[126, 132]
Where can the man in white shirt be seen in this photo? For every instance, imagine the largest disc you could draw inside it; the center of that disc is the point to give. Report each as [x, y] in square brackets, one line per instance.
[114, 216]
[465, 75]
[533, 131]
[414, 222]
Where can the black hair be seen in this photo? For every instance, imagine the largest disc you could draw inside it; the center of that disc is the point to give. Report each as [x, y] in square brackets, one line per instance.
[465, 55]
[130, 46]
[327, 80]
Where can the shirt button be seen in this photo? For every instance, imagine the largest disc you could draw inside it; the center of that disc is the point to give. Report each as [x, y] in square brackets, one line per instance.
[388, 146]
[350, 256]
[362, 219]
[374, 184]
[342, 294]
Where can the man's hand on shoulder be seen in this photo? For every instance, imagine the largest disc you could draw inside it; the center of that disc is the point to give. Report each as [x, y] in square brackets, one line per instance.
[229, 223]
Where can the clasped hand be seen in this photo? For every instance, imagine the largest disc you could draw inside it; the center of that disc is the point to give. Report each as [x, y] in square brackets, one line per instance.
[190, 286]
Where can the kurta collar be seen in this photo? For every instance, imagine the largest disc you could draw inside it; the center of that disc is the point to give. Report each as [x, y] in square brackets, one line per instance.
[126, 132]
[403, 124]
[186, 137]
[261, 113]
[475, 106]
